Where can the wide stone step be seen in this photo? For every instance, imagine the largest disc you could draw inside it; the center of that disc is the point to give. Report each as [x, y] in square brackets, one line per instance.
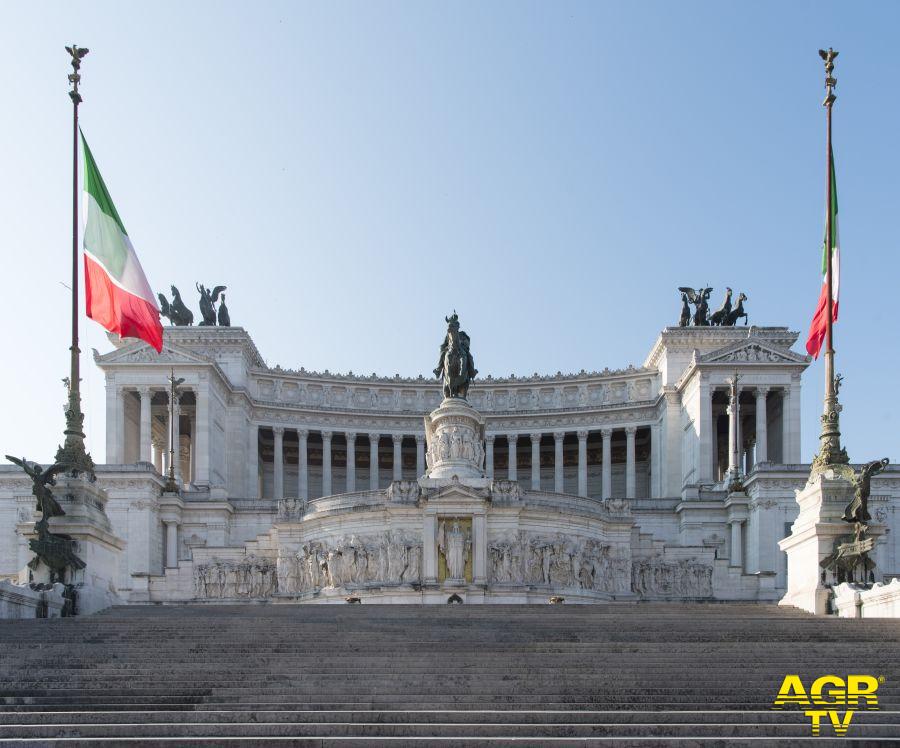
[530, 731]
[407, 716]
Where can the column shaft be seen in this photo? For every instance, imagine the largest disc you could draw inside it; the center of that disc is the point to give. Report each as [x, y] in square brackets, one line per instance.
[351, 461]
[606, 482]
[278, 432]
[398, 457]
[253, 461]
[786, 425]
[707, 435]
[630, 476]
[171, 545]
[302, 464]
[512, 468]
[582, 463]
[420, 455]
[558, 461]
[146, 453]
[326, 463]
[489, 455]
[536, 462]
[737, 551]
[373, 461]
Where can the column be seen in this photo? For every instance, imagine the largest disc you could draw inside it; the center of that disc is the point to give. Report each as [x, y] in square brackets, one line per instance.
[786, 425]
[193, 448]
[351, 461]
[606, 483]
[536, 462]
[489, 455]
[184, 457]
[479, 549]
[582, 463]
[429, 548]
[512, 439]
[326, 463]
[302, 465]
[112, 421]
[630, 432]
[737, 554]
[278, 431]
[792, 450]
[655, 462]
[253, 461]
[171, 545]
[734, 448]
[177, 438]
[146, 453]
[373, 461]
[420, 455]
[201, 441]
[398, 456]
[159, 446]
[705, 468]
[558, 437]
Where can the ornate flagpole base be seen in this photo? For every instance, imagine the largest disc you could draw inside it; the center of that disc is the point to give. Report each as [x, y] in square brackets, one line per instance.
[831, 454]
[73, 453]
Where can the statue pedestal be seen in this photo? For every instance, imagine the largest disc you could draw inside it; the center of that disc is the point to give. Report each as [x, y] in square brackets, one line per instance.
[455, 435]
[86, 523]
[813, 537]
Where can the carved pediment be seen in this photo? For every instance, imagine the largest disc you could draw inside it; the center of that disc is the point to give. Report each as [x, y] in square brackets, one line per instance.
[455, 491]
[138, 352]
[751, 352]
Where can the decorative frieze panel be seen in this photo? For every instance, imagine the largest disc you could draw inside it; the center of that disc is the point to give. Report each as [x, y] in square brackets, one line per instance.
[250, 578]
[558, 561]
[388, 558]
[680, 579]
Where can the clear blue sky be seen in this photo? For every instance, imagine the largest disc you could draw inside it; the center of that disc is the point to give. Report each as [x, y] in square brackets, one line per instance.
[352, 171]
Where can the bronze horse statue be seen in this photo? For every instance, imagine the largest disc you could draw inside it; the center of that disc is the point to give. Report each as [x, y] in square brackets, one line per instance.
[177, 310]
[735, 314]
[456, 365]
[721, 314]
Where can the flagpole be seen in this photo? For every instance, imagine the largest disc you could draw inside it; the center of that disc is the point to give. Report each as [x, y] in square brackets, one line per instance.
[73, 452]
[831, 452]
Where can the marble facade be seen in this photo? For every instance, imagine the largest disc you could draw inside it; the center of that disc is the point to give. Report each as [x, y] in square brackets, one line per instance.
[299, 486]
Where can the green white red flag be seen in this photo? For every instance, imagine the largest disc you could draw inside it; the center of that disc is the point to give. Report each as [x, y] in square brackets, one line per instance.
[117, 293]
[818, 325]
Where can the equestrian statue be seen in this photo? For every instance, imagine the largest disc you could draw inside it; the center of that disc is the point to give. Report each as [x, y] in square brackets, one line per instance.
[456, 366]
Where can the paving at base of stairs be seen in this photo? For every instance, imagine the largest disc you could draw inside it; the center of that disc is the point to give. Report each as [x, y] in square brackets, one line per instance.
[320, 675]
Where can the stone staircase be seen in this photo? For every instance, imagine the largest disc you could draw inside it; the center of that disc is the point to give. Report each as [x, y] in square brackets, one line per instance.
[648, 674]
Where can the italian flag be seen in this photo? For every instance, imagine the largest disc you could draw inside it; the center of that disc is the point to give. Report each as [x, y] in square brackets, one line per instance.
[117, 294]
[817, 327]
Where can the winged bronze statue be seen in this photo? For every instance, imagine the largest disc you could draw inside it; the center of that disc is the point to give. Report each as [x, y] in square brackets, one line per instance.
[41, 479]
[699, 297]
[858, 509]
[208, 300]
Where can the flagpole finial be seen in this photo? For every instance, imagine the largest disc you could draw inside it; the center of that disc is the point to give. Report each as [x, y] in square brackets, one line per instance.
[78, 54]
[830, 81]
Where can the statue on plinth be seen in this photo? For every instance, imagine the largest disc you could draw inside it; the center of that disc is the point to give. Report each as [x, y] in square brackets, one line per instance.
[850, 561]
[455, 366]
[54, 551]
[455, 546]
